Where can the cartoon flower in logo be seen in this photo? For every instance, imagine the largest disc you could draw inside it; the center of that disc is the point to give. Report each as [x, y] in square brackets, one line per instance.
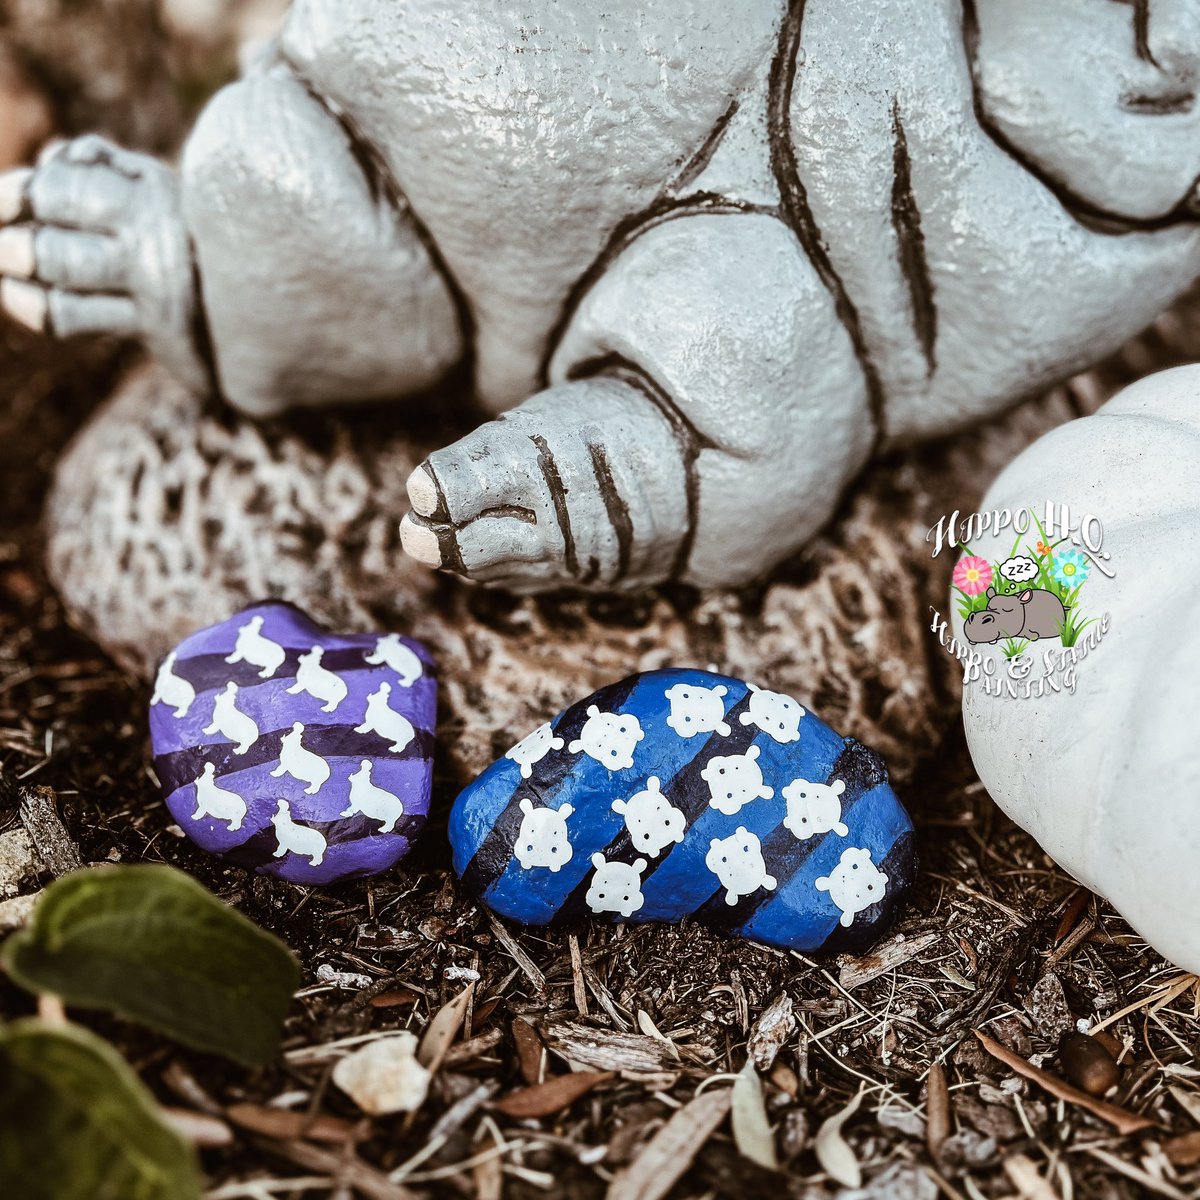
[1020, 569]
[973, 575]
[1071, 568]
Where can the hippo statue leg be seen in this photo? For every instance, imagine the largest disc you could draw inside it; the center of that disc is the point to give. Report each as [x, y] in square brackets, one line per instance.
[273, 270]
[705, 408]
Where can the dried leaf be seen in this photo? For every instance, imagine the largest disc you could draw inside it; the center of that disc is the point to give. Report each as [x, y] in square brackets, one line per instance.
[149, 943]
[771, 1032]
[670, 1152]
[441, 1031]
[546, 1099]
[833, 1151]
[488, 1173]
[937, 1109]
[200, 1129]
[1183, 1151]
[647, 1026]
[1121, 1119]
[531, 1054]
[285, 1124]
[1074, 910]
[78, 1123]
[1188, 1101]
[1026, 1179]
[396, 998]
[748, 1115]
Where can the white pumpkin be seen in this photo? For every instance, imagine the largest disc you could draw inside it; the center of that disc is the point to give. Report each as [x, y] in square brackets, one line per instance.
[1107, 778]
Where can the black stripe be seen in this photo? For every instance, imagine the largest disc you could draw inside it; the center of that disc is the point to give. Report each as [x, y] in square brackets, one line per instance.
[208, 672]
[1090, 216]
[183, 767]
[906, 221]
[615, 506]
[259, 849]
[687, 791]
[558, 497]
[495, 851]
[860, 769]
[799, 215]
[900, 866]
[689, 439]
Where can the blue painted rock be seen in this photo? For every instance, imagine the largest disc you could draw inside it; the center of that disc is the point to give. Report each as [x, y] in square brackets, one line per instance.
[296, 751]
[680, 793]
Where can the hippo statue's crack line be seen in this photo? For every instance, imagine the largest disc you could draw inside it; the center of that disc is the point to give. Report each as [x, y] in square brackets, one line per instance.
[694, 167]
[201, 331]
[554, 483]
[615, 506]
[799, 215]
[385, 188]
[665, 207]
[906, 220]
[689, 439]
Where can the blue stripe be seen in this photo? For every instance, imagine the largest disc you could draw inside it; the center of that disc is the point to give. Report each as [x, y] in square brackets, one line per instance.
[535, 896]
[802, 917]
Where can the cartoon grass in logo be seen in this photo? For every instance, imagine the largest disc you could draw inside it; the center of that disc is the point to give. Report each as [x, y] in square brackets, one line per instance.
[1043, 567]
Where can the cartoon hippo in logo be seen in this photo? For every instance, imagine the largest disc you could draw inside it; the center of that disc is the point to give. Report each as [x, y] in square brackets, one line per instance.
[1034, 613]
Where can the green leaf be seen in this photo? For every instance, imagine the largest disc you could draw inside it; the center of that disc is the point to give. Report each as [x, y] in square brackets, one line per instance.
[77, 1124]
[151, 944]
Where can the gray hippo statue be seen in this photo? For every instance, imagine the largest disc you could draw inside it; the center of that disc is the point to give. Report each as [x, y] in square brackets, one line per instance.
[699, 259]
[1032, 614]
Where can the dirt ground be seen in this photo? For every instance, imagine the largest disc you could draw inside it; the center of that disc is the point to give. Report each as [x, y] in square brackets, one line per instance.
[996, 938]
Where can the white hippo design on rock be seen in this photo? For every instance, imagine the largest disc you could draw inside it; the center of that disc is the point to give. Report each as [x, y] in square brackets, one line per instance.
[616, 886]
[814, 808]
[737, 861]
[652, 820]
[697, 710]
[854, 884]
[542, 840]
[775, 714]
[734, 780]
[609, 738]
[533, 747]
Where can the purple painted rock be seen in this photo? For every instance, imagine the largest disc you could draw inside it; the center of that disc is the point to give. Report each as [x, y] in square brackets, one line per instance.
[298, 752]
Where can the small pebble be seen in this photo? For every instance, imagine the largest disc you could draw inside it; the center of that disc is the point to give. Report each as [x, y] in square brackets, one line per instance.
[384, 1076]
[1088, 1064]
